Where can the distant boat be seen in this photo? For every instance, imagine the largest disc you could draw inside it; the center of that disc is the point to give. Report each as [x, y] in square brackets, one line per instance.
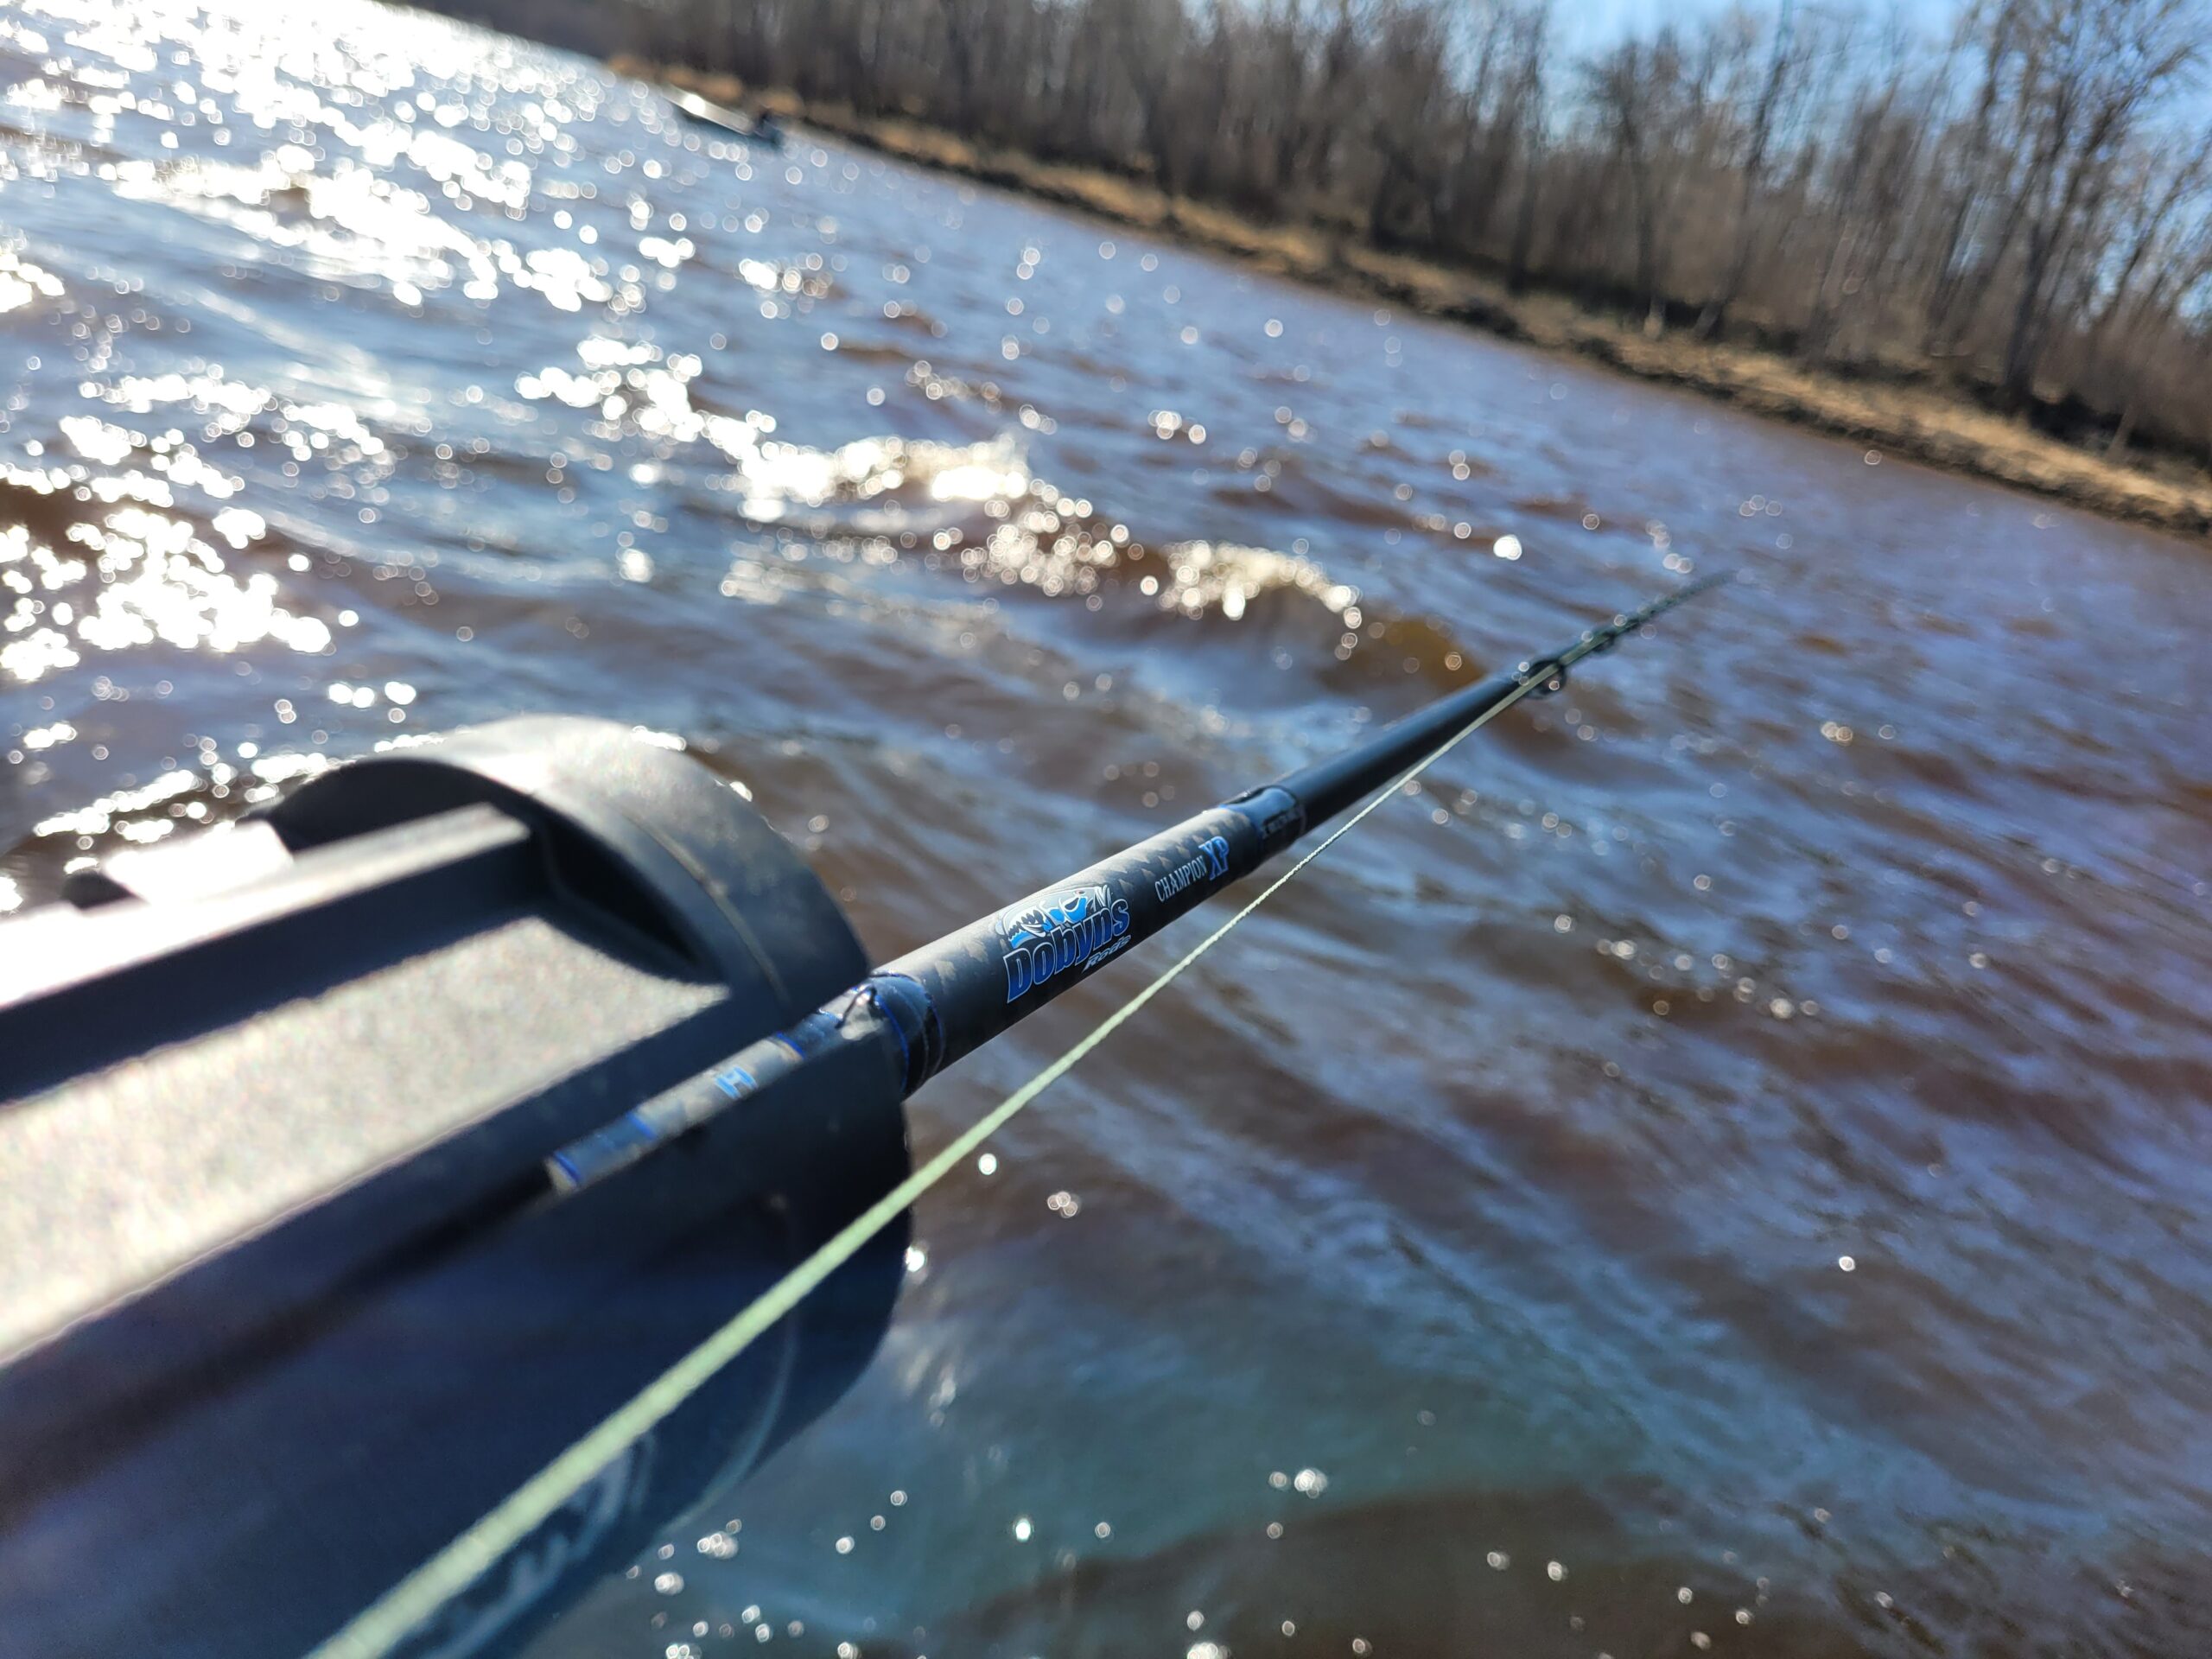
[762, 129]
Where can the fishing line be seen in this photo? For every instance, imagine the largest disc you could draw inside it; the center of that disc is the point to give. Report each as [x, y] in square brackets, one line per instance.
[387, 1621]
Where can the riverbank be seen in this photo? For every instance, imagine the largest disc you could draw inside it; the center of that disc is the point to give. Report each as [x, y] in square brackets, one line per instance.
[1919, 423]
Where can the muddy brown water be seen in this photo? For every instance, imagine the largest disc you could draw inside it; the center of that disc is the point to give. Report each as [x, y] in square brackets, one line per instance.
[1723, 1167]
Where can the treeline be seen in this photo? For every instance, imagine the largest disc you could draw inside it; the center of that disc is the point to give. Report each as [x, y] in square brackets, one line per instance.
[2023, 205]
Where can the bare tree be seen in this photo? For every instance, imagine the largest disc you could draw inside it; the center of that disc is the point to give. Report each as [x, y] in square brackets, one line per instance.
[1627, 86]
[1786, 64]
[2094, 64]
[1532, 125]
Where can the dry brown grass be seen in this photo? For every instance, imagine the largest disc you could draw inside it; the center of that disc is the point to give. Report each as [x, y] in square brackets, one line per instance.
[1921, 423]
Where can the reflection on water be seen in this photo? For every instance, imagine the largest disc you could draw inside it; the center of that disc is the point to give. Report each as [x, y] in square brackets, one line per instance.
[1722, 1166]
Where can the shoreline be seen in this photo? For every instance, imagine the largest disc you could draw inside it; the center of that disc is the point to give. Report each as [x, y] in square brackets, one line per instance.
[1920, 423]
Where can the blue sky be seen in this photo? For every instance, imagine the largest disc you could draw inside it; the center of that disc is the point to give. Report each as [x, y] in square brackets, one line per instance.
[1583, 24]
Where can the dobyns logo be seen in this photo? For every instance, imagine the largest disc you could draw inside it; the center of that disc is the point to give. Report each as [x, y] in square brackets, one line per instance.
[1048, 936]
[1210, 864]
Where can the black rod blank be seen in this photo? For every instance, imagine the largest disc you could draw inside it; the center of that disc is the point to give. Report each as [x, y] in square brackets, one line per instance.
[935, 1005]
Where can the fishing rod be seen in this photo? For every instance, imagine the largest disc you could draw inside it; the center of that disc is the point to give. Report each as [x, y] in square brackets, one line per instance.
[330, 1223]
[936, 1005]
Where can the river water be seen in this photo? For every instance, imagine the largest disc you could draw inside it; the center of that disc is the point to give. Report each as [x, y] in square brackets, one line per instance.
[1722, 1166]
